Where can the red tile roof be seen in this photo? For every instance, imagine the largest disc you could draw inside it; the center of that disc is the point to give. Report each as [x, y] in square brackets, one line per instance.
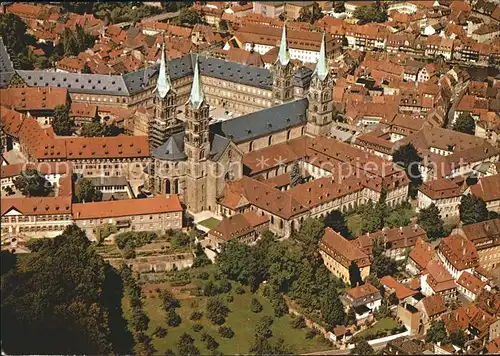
[434, 305]
[402, 292]
[488, 188]
[459, 252]
[128, 207]
[333, 241]
[471, 282]
[362, 291]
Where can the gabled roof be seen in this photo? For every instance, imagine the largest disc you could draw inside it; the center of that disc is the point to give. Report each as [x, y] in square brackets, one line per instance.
[263, 122]
[172, 149]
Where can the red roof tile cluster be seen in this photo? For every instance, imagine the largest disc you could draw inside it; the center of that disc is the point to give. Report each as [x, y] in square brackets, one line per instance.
[438, 277]
[344, 250]
[363, 291]
[129, 207]
[488, 188]
[422, 253]
[402, 292]
[238, 225]
[471, 283]
[459, 252]
[33, 99]
[434, 305]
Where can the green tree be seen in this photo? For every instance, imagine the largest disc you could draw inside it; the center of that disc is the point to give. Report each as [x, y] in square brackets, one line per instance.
[354, 275]
[398, 219]
[430, 220]
[86, 69]
[223, 25]
[407, 157]
[339, 6]
[263, 328]
[458, 338]
[255, 306]
[173, 319]
[295, 177]
[367, 14]
[332, 309]
[372, 216]
[310, 15]
[337, 221]
[140, 320]
[382, 265]
[362, 347]
[237, 262]
[55, 303]
[13, 32]
[32, 183]
[465, 123]
[437, 332]
[350, 316]
[217, 311]
[226, 332]
[185, 345]
[61, 122]
[472, 209]
[87, 192]
[189, 17]
[169, 301]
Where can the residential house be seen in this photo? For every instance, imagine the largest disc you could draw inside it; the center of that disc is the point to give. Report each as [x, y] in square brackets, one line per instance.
[437, 280]
[364, 299]
[458, 255]
[419, 257]
[488, 189]
[486, 238]
[444, 193]
[431, 307]
[470, 285]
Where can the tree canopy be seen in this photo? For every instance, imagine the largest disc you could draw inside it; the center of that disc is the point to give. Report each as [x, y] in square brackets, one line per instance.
[32, 183]
[437, 332]
[382, 265]
[362, 347]
[295, 177]
[372, 216]
[61, 122]
[472, 209]
[354, 275]
[407, 157]
[13, 32]
[367, 14]
[96, 129]
[87, 192]
[54, 303]
[310, 15]
[337, 221]
[431, 222]
[189, 17]
[465, 123]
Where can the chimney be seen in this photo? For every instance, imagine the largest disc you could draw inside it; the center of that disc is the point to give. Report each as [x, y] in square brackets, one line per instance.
[415, 227]
[400, 228]
[464, 251]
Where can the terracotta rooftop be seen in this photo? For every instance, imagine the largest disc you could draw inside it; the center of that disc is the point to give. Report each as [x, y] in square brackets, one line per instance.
[333, 241]
[459, 252]
[488, 188]
[362, 291]
[422, 253]
[33, 99]
[398, 237]
[471, 282]
[83, 110]
[38, 205]
[438, 277]
[441, 188]
[434, 305]
[484, 234]
[128, 207]
[402, 292]
[238, 225]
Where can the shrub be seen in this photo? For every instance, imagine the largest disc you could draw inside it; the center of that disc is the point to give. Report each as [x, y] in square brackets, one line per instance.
[224, 286]
[203, 275]
[229, 298]
[240, 290]
[173, 319]
[196, 315]
[255, 306]
[311, 333]
[197, 327]
[160, 332]
[226, 332]
[298, 323]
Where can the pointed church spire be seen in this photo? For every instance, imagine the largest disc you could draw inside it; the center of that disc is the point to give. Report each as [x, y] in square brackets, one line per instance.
[163, 85]
[322, 65]
[197, 96]
[283, 55]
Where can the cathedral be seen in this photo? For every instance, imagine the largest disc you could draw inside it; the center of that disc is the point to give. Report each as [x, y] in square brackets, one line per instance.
[195, 159]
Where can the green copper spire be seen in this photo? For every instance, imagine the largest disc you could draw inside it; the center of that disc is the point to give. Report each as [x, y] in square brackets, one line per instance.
[322, 65]
[283, 55]
[196, 97]
[163, 85]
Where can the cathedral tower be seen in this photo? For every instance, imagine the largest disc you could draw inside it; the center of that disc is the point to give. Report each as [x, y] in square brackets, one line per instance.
[320, 111]
[196, 144]
[164, 122]
[282, 71]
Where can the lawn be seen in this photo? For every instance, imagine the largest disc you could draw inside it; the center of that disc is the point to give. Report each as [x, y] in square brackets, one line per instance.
[381, 325]
[241, 319]
[209, 223]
